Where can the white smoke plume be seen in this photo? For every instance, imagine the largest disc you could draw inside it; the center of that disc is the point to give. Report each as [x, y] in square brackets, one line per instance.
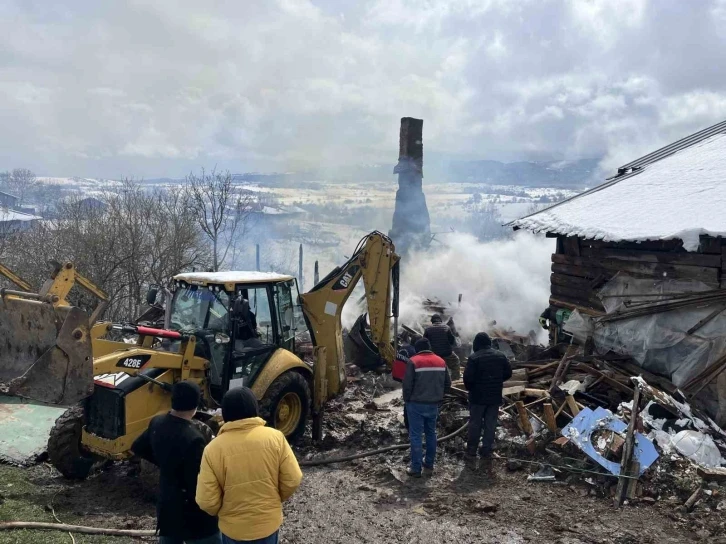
[505, 281]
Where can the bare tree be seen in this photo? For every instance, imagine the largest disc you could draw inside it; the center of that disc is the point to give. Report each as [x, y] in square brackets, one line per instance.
[135, 239]
[20, 182]
[485, 222]
[221, 212]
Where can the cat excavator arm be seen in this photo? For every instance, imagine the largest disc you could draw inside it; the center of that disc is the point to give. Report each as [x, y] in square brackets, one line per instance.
[376, 262]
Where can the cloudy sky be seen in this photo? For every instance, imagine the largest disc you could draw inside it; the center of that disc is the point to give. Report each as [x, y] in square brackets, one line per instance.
[146, 89]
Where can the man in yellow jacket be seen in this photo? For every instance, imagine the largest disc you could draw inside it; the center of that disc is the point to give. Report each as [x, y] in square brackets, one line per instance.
[247, 472]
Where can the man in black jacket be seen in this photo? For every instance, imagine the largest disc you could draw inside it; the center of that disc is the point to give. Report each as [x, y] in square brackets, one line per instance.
[484, 377]
[172, 443]
[442, 341]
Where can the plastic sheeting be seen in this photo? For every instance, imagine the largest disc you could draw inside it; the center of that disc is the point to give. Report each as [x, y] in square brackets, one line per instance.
[657, 342]
[660, 342]
[698, 447]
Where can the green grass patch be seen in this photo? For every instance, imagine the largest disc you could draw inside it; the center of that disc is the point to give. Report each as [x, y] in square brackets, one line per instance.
[21, 499]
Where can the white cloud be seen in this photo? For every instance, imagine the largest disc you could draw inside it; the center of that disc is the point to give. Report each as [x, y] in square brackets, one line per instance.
[605, 19]
[157, 88]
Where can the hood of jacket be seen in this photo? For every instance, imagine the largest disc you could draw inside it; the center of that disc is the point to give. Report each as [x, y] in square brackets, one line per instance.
[482, 341]
[242, 424]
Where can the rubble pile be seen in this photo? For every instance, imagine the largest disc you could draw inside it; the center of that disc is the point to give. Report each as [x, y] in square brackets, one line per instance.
[369, 415]
[568, 419]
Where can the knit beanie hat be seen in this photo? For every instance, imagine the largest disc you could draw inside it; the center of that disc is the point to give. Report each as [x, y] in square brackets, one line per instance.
[185, 396]
[422, 344]
[239, 403]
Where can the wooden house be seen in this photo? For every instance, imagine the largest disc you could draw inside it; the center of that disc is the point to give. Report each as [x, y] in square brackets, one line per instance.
[661, 216]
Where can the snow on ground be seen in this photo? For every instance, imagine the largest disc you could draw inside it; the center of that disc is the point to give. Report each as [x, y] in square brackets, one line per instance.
[12, 215]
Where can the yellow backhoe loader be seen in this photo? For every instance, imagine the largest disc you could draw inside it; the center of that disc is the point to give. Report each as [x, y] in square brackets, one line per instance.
[225, 329]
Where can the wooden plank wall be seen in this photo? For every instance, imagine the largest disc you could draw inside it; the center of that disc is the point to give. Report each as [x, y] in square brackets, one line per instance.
[580, 267]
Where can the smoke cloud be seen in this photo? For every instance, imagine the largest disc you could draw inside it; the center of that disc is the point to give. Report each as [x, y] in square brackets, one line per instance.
[506, 281]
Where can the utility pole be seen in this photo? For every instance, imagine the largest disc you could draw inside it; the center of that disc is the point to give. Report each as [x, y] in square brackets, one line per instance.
[300, 270]
[257, 257]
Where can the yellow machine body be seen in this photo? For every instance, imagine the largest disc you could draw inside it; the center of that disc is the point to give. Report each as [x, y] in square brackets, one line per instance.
[123, 385]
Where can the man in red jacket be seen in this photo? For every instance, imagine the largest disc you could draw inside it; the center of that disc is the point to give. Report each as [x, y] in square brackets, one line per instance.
[424, 385]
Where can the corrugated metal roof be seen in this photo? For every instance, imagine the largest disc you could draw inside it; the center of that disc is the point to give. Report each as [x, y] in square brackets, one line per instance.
[683, 143]
[678, 191]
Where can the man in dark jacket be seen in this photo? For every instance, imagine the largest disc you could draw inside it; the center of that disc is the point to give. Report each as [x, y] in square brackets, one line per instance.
[484, 377]
[442, 340]
[424, 385]
[172, 443]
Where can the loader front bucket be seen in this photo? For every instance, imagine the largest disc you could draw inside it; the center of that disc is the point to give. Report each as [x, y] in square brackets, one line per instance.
[45, 351]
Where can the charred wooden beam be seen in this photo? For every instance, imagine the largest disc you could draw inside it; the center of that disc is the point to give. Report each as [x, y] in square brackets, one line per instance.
[648, 245]
[709, 244]
[589, 272]
[584, 297]
[574, 282]
[656, 270]
[664, 257]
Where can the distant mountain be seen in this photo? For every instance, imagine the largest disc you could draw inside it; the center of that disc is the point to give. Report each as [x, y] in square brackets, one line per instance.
[528, 174]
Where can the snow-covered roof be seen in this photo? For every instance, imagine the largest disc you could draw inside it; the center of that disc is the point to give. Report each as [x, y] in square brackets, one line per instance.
[13, 215]
[233, 276]
[680, 195]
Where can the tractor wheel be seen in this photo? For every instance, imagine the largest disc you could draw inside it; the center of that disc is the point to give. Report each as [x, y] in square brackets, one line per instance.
[286, 405]
[64, 446]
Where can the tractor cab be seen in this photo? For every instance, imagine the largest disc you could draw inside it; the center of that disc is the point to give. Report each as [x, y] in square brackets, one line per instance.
[239, 318]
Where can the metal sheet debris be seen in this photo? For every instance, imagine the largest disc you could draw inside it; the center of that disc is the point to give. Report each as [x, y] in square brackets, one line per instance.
[588, 421]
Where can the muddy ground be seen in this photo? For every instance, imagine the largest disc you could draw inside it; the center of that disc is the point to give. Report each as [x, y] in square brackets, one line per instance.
[372, 500]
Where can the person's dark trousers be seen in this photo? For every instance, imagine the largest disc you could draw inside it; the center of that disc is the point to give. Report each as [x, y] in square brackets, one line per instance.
[405, 416]
[454, 365]
[214, 539]
[274, 538]
[422, 420]
[482, 424]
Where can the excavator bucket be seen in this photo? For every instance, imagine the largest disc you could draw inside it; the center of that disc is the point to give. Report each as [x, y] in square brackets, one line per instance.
[364, 352]
[45, 349]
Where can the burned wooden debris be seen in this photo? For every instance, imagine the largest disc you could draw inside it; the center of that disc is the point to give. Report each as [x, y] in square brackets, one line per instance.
[635, 424]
